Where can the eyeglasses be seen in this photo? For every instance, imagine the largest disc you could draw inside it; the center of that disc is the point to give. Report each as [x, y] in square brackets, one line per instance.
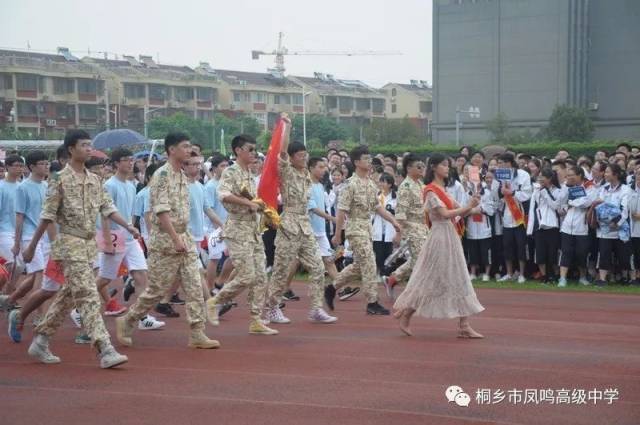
[248, 150]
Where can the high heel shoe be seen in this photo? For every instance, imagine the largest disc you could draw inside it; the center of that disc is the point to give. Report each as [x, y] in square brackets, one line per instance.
[468, 332]
[405, 317]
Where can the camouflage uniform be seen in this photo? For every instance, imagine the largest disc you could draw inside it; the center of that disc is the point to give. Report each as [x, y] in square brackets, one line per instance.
[74, 203]
[359, 199]
[410, 214]
[169, 193]
[295, 239]
[242, 234]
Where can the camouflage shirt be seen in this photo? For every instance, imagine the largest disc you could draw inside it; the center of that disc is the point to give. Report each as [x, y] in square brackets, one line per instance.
[295, 188]
[169, 193]
[73, 202]
[359, 199]
[410, 206]
[241, 223]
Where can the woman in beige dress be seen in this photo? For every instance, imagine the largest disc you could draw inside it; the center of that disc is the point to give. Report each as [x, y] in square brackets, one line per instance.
[440, 287]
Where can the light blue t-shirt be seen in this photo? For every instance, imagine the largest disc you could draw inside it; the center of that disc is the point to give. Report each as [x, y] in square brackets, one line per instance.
[123, 194]
[198, 203]
[30, 196]
[8, 207]
[316, 200]
[211, 192]
[140, 207]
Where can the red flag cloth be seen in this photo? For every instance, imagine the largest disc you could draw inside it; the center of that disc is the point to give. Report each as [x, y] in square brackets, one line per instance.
[54, 271]
[270, 179]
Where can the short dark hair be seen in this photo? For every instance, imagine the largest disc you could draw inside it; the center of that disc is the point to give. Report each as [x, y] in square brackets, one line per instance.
[357, 152]
[617, 171]
[295, 147]
[72, 137]
[408, 161]
[241, 140]
[561, 163]
[93, 161]
[376, 161]
[120, 153]
[313, 161]
[12, 159]
[173, 139]
[579, 171]
[198, 145]
[55, 166]
[392, 156]
[34, 157]
[624, 145]
[217, 160]
[62, 152]
[151, 168]
[508, 157]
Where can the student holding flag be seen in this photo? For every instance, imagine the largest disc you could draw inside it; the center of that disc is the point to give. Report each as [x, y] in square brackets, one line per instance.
[295, 240]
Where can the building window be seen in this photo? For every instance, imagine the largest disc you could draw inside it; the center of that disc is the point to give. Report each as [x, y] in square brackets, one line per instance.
[63, 86]
[237, 96]
[377, 105]
[135, 115]
[205, 115]
[261, 118]
[296, 99]
[346, 103]
[362, 104]
[65, 112]
[426, 107]
[183, 94]
[88, 112]
[27, 109]
[27, 82]
[276, 99]
[6, 82]
[257, 97]
[394, 92]
[331, 102]
[394, 108]
[134, 91]
[205, 94]
[87, 86]
[157, 92]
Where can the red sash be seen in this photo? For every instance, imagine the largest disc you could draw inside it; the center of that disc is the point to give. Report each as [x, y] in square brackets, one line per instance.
[515, 209]
[447, 201]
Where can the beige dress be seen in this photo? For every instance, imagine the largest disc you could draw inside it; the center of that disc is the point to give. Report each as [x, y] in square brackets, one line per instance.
[439, 286]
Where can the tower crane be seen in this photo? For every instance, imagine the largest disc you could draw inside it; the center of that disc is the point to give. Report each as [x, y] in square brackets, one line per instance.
[281, 51]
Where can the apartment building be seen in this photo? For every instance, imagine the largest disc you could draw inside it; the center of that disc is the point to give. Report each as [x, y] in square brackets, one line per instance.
[413, 101]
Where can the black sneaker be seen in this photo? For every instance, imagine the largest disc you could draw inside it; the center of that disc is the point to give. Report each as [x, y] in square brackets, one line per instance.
[175, 299]
[166, 310]
[225, 309]
[290, 296]
[347, 293]
[600, 283]
[376, 309]
[129, 288]
[112, 292]
[635, 282]
[329, 296]
[282, 305]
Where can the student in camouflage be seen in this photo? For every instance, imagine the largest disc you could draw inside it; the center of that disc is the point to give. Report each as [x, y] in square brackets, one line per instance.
[73, 200]
[358, 201]
[241, 231]
[172, 251]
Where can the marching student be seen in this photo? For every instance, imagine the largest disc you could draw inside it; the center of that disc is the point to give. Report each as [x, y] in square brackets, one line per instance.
[383, 232]
[478, 234]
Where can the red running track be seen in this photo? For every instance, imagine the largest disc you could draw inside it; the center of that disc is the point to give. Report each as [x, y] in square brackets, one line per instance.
[361, 370]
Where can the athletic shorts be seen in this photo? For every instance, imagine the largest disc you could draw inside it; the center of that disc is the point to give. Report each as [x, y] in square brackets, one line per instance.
[6, 243]
[324, 245]
[132, 256]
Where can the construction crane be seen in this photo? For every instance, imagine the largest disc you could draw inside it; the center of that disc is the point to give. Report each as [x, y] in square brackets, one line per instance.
[281, 51]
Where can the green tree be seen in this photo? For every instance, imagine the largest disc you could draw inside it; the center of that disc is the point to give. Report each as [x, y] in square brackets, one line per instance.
[498, 128]
[569, 124]
[318, 127]
[200, 131]
[383, 131]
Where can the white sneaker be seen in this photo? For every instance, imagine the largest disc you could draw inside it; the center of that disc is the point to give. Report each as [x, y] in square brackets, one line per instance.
[485, 277]
[318, 315]
[472, 276]
[521, 279]
[497, 277]
[150, 323]
[584, 281]
[275, 315]
[505, 278]
[39, 349]
[76, 318]
[562, 282]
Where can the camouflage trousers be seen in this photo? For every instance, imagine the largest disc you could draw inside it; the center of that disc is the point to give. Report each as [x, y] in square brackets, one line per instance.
[289, 249]
[248, 259]
[362, 269]
[80, 291]
[415, 239]
[164, 269]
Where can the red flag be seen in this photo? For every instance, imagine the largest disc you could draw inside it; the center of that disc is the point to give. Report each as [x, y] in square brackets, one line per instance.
[54, 271]
[270, 179]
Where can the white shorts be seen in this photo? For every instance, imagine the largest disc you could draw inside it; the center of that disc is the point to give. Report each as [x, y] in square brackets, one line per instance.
[217, 246]
[48, 284]
[7, 241]
[324, 245]
[132, 256]
[38, 263]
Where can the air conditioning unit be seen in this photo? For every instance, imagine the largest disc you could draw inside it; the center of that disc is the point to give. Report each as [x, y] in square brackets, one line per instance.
[51, 123]
[594, 106]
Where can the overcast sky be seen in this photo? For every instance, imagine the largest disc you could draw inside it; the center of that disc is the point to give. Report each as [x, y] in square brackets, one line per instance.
[224, 33]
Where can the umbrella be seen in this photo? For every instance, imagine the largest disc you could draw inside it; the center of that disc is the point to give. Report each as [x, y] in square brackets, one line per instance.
[121, 137]
[99, 154]
[143, 154]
